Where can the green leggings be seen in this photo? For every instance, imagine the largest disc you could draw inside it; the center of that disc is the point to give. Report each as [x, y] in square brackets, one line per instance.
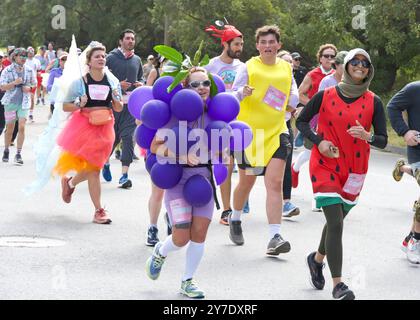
[331, 243]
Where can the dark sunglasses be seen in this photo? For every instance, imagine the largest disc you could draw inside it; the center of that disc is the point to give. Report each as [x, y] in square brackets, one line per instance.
[296, 59]
[196, 84]
[328, 56]
[63, 59]
[23, 56]
[355, 62]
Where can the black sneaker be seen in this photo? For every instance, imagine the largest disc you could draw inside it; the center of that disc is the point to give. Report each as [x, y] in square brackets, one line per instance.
[317, 279]
[235, 232]
[277, 245]
[5, 156]
[152, 237]
[18, 159]
[224, 218]
[118, 154]
[168, 224]
[342, 292]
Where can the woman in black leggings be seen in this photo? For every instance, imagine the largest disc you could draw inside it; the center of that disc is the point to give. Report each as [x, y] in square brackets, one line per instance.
[339, 164]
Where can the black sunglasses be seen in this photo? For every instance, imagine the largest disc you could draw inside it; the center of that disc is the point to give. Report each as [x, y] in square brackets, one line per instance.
[196, 84]
[328, 56]
[355, 62]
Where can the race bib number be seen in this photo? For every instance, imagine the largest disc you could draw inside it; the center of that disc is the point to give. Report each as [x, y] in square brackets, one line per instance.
[275, 98]
[98, 92]
[181, 211]
[354, 183]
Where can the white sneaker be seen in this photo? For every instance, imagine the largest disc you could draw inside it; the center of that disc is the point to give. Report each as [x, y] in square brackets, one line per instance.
[413, 251]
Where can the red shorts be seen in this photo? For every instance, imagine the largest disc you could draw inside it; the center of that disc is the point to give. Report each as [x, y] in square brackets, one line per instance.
[39, 78]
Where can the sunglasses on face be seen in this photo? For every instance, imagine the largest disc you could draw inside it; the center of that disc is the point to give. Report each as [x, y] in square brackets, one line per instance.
[23, 56]
[355, 62]
[328, 56]
[64, 59]
[196, 84]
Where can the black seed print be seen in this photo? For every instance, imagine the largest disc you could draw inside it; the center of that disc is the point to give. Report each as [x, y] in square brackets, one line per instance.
[321, 162]
[313, 178]
[337, 168]
[330, 123]
[355, 141]
[348, 126]
[340, 113]
[333, 103]
[350, 170]
[332, 177]
[360, 116]
[357, 154]
[363, 107]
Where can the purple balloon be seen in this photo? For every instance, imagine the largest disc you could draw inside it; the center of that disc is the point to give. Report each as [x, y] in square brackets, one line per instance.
[187, 105]
[218, 134]
[220, 173]
[198, 191]
[166, 176]
[181, 145]
[220, 84]
[144, 136]
[161, 86]
[150, 162]
[224, 107]
[155, 114]
[241, 135]
[138, 98]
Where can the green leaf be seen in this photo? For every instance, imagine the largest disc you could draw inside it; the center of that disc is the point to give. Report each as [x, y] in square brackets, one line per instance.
[169, 53]
[213, 87]
[183, 74]
[171, 74]
[205, 61]
[197, 55]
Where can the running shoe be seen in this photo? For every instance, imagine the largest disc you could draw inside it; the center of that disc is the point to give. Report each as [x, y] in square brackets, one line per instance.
[290, 210]
[235, 232]
[106, 172]
[317, 279]
[37, 101]
[31, 118]
[5, 156]
[101, 217]
[155, 262]
[342, 292]
[277, 245]
[405, 242]
[396, 173]
[124, 182]
[66, 191]
[152, 236]
[18, 159]
[246, 207]
[117, 154]
[299, 140]
[191, 290]
[295, 177]
[224, 219]
[43, 101]
[413, 251]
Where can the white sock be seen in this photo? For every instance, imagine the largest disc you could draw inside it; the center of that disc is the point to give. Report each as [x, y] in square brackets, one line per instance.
[303, 157]
[274, 229]
[236, 215]
[195, 252]
[168, 246]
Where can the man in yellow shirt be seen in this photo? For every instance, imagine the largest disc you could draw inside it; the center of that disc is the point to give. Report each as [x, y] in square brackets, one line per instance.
[266, 89]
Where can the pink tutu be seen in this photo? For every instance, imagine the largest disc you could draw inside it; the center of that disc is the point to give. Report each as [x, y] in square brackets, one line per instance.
[89, 142]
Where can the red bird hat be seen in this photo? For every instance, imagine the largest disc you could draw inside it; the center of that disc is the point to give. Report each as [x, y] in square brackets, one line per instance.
[228, 33]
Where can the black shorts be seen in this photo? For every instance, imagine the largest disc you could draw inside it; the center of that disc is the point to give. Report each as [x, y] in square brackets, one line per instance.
[282, 152]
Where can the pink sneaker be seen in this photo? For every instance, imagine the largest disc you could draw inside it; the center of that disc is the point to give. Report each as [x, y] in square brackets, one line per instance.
[101, 217]
[66, 191]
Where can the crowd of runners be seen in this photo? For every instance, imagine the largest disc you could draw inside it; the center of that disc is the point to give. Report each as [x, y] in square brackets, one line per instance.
[329, 112]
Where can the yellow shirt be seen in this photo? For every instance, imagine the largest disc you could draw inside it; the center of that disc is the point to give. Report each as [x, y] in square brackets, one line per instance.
[265, 109]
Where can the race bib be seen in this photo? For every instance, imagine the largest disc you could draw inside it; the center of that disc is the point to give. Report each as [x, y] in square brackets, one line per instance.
[275, 98]
[181, 212]
[98, 92]
[126, 96]
[354, 183]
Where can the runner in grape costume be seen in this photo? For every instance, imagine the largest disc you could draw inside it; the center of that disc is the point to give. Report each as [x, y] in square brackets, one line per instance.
[176, 121]
[339, 164]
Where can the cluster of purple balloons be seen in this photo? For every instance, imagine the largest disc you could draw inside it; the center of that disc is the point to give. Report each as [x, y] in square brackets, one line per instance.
[155, 107]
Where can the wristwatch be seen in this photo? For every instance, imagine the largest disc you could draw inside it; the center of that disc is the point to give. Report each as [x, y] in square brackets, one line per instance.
[371, 138]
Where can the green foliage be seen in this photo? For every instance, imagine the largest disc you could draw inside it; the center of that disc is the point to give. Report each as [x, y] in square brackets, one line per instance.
[391, 36]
